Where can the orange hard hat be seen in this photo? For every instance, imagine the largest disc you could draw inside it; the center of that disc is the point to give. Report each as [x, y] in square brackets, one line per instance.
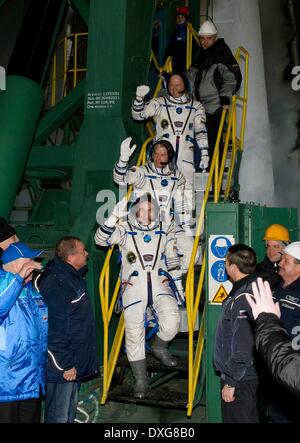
[277, 232]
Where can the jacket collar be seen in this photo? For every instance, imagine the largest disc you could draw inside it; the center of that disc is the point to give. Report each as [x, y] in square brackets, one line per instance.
[294, 285]
[244, 281]
[66, 267]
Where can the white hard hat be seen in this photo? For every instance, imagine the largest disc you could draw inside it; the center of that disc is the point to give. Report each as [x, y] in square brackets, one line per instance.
[293, 249]
[208, 28]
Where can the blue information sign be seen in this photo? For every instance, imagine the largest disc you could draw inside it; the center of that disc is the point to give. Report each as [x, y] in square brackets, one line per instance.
[218, 271]
[219, 246]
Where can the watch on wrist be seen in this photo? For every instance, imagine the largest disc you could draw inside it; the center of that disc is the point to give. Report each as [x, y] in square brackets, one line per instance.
[228, 386]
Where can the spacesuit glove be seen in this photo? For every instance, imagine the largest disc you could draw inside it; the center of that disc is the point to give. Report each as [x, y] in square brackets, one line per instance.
[204, 159]
[126, 151]
[142, 91]
[119, 211]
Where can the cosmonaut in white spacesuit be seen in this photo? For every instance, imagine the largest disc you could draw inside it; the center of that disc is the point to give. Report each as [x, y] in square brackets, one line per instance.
[148, 252]
[181, 120]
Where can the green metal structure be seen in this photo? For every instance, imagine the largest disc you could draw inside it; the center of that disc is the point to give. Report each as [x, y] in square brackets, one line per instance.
[246, 223]
[24, 98]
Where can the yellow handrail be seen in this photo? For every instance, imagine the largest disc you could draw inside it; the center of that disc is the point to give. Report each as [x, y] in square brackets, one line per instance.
[154, 60]
[191, 34]
[66, 69]
[243, 53]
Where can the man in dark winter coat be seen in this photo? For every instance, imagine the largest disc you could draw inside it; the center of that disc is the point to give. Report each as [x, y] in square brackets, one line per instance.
[234, 353]
[215, 77]
[282, 407]
[280, 354]
[72, 352]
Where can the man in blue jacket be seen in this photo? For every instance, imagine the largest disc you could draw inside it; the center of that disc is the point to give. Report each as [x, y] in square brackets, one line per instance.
[72, 352]
[23, 337]
[234, 353]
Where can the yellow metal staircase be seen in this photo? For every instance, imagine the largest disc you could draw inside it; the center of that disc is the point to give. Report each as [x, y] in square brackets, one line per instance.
[235, 120]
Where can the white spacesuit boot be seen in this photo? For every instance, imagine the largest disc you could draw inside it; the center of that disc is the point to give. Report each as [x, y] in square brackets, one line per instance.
[161, 352]
[140, 376]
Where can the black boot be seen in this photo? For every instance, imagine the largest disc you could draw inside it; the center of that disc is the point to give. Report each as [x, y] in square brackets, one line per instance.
[140, 375]
[160, 350]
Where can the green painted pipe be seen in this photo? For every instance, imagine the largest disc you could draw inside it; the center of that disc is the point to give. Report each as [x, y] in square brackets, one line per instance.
[20, 107]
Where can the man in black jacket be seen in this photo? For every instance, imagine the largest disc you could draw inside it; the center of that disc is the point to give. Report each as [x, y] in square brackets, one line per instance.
[72, 352]
[215, 77]
[280, 354]
[234, 353]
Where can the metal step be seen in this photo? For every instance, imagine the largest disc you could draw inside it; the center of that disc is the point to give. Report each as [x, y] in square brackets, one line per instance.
[158, 397]
[155, 366]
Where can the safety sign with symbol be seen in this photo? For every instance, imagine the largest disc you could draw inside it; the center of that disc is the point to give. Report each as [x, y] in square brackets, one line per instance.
[218, 271]
[220, 296]
[219, 246]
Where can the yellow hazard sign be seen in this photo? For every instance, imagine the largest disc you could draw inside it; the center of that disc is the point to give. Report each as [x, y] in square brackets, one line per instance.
[220, 295]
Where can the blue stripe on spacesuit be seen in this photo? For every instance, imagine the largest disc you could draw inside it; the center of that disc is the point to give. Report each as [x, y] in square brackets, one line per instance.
[149, 289]
[106, 229]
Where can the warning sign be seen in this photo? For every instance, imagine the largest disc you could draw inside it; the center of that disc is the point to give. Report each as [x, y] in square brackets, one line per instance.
[219, 284]
[220, 295]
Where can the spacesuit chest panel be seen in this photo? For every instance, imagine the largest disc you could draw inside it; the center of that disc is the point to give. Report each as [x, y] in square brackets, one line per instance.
[175, 119]
[143, 249]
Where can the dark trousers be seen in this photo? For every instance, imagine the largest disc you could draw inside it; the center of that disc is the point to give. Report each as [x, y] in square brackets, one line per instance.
[23, 411]
[212, 127]
[244, 408]
[61, 402]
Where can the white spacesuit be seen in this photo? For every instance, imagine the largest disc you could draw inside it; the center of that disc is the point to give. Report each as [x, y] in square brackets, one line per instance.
[148, 253]
[179, 119]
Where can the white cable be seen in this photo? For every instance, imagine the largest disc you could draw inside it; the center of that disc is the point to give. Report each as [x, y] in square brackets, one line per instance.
[82, 411]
